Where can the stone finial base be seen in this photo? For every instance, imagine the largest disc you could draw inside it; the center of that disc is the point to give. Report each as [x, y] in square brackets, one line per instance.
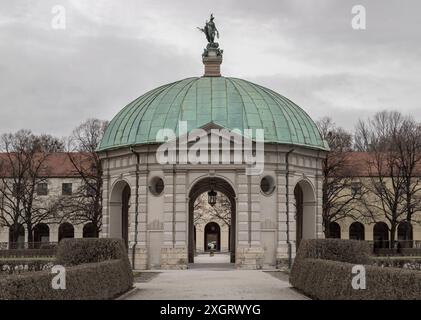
[212, 60]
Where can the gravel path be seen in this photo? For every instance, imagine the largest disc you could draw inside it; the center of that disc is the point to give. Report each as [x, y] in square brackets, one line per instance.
[215, 284]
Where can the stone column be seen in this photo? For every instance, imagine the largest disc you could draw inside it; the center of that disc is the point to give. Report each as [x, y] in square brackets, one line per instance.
[255, 220]
[180, 210]
[249, 253]
[242, 211]
[285, 244]
[169, 207]
[319, 206]
[140, 254]
[174, 251]
[105, 231]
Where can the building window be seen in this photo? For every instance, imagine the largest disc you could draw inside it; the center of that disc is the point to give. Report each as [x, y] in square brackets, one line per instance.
[356, 231]
[405, 234]
[42, 189]
[90, 191]
[66, 230]
[66, 189]
[334, 230]
[90, 231]
[156, 186]
[16, 189]
[16, 236]
[381, 235]
[41, 235]
[380, 186]
[267, 185]
[356, 188]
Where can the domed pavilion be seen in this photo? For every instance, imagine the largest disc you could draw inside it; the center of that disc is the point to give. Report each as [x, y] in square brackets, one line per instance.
[151, 204]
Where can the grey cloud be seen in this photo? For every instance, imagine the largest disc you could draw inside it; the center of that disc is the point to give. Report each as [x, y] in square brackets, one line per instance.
[114, 51]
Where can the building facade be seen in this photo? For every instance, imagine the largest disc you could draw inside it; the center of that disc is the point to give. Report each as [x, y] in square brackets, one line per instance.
[57, 180]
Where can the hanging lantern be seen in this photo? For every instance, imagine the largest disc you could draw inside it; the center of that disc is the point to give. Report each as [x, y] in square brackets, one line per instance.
[212, 197]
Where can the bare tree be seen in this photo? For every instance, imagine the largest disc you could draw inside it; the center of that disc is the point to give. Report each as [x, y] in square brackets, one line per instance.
[22, 167]
[203, 212]
[381, 137]
[408, 145]
[338, 195]
[85, 204]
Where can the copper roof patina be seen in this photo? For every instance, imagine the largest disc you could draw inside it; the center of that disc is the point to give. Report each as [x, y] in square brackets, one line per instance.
[228, 102]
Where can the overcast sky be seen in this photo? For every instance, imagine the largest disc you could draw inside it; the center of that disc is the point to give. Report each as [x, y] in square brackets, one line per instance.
[114, 51]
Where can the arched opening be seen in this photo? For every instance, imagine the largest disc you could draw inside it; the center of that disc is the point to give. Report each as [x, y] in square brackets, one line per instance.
[220, 186]
[90, 231]
[305, 212]
[119, 212]
[334, 230]
[66, 230]
[16, 236]
[405, 234]
[41, 234]
[356, 231]
[212, 237]
[381, 235]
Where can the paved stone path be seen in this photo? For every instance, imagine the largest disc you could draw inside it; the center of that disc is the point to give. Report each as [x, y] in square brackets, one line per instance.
[214, 281]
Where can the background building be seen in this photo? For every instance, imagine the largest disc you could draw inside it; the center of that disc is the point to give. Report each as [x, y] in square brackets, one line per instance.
[57, 181]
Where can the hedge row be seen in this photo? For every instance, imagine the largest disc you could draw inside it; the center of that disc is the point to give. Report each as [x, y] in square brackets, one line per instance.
[27, 253]
[95, 269]
[72, 252]
[352, 251]
[332, 280]
[323, 270]
[412, 263]
[11, 266]
[398, 252]
[94, 281]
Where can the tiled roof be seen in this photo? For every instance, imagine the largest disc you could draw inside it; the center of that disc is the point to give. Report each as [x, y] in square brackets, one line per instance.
[361, 164]
[55, 165]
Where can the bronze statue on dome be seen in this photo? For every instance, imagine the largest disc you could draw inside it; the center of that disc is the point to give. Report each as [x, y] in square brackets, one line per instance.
[210, 32]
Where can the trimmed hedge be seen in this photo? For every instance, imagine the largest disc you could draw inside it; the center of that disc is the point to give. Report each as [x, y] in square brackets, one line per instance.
[93, 281]
[331, 280]
[353, 251]
[95, 269]
[11, 266]
[398, 252]
[316, 274]
[72, 252]
[27, 253]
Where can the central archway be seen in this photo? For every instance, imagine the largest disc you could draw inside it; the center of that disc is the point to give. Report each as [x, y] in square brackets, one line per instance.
[218, 185]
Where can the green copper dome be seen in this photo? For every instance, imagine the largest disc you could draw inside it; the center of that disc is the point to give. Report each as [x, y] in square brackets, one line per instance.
[228, 102]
